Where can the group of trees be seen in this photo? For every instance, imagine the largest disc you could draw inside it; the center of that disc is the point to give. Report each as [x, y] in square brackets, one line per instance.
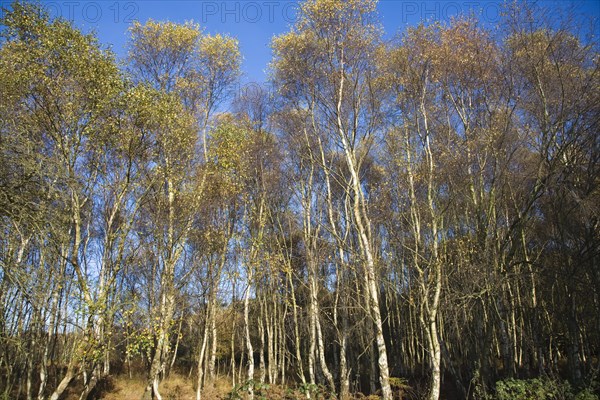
[426, 207]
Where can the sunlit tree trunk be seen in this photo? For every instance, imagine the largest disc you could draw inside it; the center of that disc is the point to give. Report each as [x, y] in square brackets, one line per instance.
[363, 228]
[249, 348]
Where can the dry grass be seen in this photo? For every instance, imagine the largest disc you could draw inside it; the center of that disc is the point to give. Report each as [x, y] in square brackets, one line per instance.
[176, 387]
[218, 390]
[125, 389]
[179, 387]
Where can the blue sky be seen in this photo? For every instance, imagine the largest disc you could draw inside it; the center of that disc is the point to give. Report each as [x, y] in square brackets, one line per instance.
[254, 23]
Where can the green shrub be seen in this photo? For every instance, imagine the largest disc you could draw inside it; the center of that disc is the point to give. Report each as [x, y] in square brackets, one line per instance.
[531, 389]
[311, 389]
[586, 394]
[540, 389]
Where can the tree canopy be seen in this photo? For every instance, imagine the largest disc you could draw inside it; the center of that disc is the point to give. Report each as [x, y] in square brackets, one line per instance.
[407, 218]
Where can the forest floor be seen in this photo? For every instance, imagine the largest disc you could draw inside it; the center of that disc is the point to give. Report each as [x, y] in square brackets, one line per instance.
[175, 387]
[180, 387]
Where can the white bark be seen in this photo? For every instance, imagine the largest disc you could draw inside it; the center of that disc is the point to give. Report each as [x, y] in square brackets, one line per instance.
[249, 348]
[365, 240]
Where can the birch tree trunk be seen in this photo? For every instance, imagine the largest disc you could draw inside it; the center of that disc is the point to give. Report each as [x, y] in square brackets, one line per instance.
[365, 240]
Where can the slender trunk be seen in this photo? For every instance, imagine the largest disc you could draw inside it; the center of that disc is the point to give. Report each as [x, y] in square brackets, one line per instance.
[249, 349]
[373, 362]
[312, 337]
[432, 305]
[342, 333]
[91, 383]
[261, 348]
[30, 354]
[213, 334]
[435, 355]
[232, 341]
[309, 236]
[323, 363]
[573, 348]
[52, 329]
[365, 240]
[155, 367]
[177, 340]
[200, 366]
[64, 383]
[282, 345]
[47, 343]
[297, 347]
[344, 372]
[270, 328]
[167, 298]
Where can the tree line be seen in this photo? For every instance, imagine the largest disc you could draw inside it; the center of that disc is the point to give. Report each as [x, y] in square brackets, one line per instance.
[420, 212]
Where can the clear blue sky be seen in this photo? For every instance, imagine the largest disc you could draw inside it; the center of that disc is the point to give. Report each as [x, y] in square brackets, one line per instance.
[254, 23]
